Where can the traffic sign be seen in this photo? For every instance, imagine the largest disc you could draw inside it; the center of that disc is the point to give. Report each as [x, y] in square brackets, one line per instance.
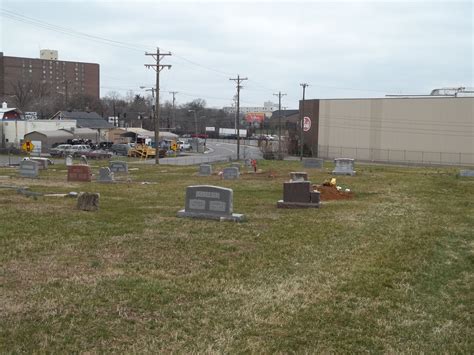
[27, 146]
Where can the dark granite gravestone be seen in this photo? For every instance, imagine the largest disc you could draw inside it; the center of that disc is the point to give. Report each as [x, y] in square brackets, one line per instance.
[205, 170]
[29, 168]
[313, 163]
[298, 176]
[299, 194]
[79, 173]
[344, 166]
[118, 166]
[210, 202]
[231, 173]
[105, 175]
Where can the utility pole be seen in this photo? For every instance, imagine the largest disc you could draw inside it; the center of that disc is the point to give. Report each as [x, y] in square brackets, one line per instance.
[304, 85]
[279, 123]
[238, 80]
[173, 123]
[157, 67]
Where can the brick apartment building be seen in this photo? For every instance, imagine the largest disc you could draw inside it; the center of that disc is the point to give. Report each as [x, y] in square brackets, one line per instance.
[63, 77]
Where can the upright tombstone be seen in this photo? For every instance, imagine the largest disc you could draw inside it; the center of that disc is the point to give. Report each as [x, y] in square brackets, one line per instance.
[118, 166]
[315, 163]
[87, 201]
[248, 162]
[29, 168]
[210, 202]
[84, 160]
[205, 170]
[231, 173]
[105, 175]
[236, 165]
[299, 194]
[80, 173]
[43, 162]
[344, 166]
[68, 161]
[298, 176]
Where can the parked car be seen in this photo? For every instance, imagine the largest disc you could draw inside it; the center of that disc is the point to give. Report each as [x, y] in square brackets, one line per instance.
[183, 145]
[78, 150]
[60, 150]
[98, 154]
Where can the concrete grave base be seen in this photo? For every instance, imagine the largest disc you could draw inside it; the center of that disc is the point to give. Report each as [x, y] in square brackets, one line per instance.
[283, 204]
[352, 173]
[235, 217]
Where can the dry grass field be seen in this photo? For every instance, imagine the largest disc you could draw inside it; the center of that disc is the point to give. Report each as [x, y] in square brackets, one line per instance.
[390, 270]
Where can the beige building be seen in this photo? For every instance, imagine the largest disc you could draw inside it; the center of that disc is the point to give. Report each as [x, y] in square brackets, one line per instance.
[433, 130]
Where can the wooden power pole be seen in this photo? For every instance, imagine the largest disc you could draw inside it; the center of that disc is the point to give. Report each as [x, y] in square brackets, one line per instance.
[304, 85]
[238, 80]
[157, 67]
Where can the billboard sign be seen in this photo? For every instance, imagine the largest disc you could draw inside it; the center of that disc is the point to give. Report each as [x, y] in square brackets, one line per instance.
[255, 117]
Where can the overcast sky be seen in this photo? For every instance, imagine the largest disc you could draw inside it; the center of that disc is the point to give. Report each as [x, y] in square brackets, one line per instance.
[340, 48]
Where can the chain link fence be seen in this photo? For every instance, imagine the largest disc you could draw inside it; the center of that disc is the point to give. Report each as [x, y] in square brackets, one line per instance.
[396, 156]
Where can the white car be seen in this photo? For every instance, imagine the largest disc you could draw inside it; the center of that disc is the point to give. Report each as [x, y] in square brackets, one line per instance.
[183, 145]
[78, 149]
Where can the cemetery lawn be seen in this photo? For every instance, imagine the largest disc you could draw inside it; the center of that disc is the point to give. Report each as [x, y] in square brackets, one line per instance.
[388, 271]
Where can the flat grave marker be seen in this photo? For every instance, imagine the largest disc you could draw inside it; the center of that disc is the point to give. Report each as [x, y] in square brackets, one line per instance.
[315, 163]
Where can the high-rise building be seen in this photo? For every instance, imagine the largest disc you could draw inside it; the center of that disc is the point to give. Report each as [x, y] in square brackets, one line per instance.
[57, 76]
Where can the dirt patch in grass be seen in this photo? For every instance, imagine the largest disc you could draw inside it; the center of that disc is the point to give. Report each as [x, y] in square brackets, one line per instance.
[329, 193]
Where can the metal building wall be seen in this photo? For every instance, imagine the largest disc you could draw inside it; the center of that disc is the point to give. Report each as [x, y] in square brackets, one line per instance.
[437, 130]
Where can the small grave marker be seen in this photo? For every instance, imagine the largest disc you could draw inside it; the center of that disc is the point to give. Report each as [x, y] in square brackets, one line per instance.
[84, 160]
[87, 201]
[466, 173]
[118, 166]
[43, 162]
[344, 166]
[210, 202]
[231, 173]
[205, 170]
[69, 161]
[29, 168]
[315, 163]
[105, 175]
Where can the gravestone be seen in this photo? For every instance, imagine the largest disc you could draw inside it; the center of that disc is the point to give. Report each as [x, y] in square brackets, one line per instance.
[84, 160]
[105, 175]
[315, 163]
[298, 176]
[69, 161]
[210, 202]
[299, 194]
[205, 170]
[466, 173]
[248, 162]
[236, 165]
[87, 201]
[43, 162]
[344, 166]
[79, 173]
[231, 173]
[29, 168]
[118, 166]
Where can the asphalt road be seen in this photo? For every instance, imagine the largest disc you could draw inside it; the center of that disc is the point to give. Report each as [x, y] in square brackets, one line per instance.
[216, 151]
